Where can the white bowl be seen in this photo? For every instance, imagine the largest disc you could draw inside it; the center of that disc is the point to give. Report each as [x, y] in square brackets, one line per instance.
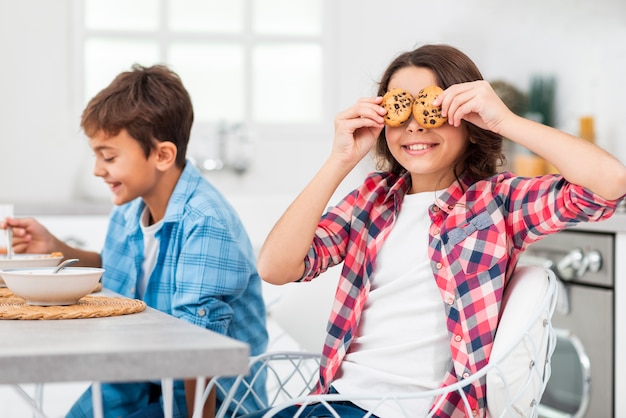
[29, 261]
[40, 287]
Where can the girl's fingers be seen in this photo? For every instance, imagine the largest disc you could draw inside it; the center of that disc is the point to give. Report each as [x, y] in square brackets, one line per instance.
[460, 106]
[475, 102]
[366, 108]
[451, 100]
[365, 113]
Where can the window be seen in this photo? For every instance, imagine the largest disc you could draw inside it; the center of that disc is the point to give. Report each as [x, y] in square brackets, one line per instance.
[243, 61]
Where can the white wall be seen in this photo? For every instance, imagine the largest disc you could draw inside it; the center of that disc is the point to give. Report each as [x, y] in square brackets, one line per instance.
[583, 43]
[45, 159]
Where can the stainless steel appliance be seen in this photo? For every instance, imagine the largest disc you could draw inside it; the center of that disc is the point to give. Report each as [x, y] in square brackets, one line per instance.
[582, 381]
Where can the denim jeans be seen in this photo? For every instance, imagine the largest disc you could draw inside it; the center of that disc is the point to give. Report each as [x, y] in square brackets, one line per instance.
[153, 410]
[344, 409]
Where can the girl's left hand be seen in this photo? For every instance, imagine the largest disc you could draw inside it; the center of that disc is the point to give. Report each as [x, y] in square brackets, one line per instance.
[476, 102]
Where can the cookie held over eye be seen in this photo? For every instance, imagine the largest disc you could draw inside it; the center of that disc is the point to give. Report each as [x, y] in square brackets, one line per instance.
[399, 104]
[427, 115]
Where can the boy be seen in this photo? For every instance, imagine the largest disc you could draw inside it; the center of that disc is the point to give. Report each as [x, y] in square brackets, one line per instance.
[173, 240]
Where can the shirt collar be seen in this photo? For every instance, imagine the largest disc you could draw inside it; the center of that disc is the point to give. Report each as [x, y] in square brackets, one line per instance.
[187, 182]
[450, 197]
[446, 200]
[399, 188]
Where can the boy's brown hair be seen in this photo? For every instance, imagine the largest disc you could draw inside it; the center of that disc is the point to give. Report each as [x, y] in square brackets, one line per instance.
[150, 103]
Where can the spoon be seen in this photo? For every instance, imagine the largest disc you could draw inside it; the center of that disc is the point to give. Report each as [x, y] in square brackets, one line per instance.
[65, 264]
[9, 233]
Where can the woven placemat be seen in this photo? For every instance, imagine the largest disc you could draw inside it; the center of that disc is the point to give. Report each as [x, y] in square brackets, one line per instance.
[13, 307]
[5, 292]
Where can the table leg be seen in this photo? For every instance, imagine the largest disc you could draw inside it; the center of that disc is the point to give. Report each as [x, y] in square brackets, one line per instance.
[96, 400]
[167, 389]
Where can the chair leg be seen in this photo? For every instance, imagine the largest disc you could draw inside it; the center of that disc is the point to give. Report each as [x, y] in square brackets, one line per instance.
[38, 413]
[96, 400]
[38, 397]
[198, 400]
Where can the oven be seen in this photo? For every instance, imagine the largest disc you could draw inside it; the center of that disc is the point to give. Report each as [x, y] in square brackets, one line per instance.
[582, 379]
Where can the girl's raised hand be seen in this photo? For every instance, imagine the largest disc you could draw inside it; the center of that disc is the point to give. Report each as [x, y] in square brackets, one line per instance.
[357, 128]
[475, 102]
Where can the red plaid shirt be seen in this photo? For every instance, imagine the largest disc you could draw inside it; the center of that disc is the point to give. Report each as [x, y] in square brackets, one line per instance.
[475, 238]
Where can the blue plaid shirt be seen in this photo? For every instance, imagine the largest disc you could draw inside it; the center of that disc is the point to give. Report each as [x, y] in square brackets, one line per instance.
[205, 274]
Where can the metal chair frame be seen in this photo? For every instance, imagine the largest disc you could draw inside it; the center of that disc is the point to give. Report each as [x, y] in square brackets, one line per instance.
[291, 376]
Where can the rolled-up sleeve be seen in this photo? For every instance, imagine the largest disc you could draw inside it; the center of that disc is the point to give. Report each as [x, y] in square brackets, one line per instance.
[543, 205]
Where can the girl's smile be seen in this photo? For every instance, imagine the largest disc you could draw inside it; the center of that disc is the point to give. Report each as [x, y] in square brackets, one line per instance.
[419, 147]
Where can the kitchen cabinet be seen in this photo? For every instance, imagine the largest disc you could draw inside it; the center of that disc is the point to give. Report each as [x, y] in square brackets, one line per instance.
[83, 231]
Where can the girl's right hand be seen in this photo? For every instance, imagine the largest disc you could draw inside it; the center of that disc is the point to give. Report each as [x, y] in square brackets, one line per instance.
[357, 128]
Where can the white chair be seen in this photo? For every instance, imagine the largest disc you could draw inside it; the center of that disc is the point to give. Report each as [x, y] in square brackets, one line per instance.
[516, 375]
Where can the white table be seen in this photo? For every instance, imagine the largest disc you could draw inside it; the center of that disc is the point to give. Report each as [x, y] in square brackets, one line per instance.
[149, 345]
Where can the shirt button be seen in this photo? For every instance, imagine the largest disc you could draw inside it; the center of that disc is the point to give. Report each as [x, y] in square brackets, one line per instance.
[450, 301]
[474, 412]
[435, 208]
[466, 375]
[439, 266]
[201, 312]
[436, 231]
[457, 338]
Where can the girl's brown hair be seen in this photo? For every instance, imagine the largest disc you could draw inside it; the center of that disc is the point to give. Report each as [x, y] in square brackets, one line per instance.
[450, 66]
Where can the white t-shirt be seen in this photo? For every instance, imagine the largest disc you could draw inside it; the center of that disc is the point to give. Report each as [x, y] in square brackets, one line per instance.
[402, 343]
[150, 251]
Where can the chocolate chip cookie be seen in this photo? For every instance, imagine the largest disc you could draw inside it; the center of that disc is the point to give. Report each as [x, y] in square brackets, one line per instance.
[427, 115]
[399, 104]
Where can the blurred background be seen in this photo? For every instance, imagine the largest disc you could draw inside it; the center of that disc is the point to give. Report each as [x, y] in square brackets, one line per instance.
[268, 76]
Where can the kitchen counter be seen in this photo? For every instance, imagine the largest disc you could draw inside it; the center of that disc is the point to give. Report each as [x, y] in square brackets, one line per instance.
[615, 224]
[63, 209]
[258, 213]
[277, 204]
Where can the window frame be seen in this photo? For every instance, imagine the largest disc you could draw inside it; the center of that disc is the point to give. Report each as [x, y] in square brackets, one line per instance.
[247, 39]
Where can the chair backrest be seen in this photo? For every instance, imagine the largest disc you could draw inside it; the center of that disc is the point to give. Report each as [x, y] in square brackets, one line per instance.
[516, 375]
[523, 345]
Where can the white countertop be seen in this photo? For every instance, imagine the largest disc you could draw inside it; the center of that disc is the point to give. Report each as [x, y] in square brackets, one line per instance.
[615, 224]
[63, 209]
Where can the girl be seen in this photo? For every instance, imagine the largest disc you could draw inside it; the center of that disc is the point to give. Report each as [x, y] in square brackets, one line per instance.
[429, 241]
